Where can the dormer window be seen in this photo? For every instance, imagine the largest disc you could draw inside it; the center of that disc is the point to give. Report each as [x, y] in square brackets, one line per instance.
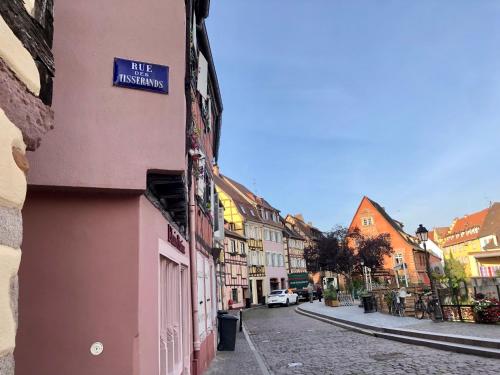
[252, 213]
[242, 209]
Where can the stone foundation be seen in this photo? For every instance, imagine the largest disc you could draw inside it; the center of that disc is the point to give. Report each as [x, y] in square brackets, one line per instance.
[26, 71]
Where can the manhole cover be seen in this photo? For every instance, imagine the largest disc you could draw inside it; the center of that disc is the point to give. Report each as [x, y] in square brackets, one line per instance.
[295, 364]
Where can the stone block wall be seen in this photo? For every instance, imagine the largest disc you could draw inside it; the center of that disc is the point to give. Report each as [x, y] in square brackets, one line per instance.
[26, 72]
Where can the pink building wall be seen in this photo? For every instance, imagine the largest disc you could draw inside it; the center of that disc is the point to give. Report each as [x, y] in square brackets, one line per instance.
[108, 136]
[276, 272]
[91, 273]
[78, 284]
[152, 228]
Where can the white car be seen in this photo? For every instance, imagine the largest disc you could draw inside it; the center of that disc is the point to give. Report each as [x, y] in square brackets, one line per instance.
[282, 297]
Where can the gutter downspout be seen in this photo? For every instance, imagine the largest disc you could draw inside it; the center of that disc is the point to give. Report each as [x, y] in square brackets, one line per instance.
[194, 269]
[192, 202]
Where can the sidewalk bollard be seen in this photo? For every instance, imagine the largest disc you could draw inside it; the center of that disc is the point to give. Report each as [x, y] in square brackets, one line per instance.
[241, 320]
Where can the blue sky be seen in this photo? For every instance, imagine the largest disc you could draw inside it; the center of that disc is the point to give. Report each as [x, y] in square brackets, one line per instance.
[326, 101]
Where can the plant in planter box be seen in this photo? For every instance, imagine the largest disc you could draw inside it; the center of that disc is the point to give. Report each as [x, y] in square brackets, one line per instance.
[330, 296]
[388, 301]
[486, 310]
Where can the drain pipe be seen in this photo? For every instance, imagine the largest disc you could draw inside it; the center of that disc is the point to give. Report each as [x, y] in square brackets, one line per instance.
[194, 269]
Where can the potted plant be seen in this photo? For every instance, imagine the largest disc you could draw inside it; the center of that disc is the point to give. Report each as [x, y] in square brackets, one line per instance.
[330, 296]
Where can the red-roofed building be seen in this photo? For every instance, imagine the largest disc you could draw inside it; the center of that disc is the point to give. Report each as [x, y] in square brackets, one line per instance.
[486, 260]
[372, 219]
[462, 240]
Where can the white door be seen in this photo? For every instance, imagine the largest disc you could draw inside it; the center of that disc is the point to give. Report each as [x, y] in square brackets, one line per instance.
[172, 327]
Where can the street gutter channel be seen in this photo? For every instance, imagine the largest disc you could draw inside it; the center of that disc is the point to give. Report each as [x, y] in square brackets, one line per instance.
[262, 364]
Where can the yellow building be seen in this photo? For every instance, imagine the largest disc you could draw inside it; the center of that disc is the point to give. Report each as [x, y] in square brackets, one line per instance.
[244, 220]
[463, 240]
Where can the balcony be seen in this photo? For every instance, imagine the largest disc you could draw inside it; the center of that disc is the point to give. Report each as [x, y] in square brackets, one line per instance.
[254, 244]
[256, 271]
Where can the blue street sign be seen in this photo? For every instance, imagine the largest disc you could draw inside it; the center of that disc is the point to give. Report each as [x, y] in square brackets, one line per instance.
[140, 75]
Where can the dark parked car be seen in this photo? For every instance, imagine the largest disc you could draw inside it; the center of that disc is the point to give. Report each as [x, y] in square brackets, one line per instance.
[304, 294]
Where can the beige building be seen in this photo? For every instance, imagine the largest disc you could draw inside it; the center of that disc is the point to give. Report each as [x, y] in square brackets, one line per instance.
[26, 71]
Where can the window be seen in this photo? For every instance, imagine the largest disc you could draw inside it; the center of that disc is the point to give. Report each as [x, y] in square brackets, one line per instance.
[278, 292]
[267, 237]
[268, 259]
[232, 246]
[398, 258]
[235, 295]
[242, 247]
[273, 236]
[243, 209]
[367, 221]
[252, 213]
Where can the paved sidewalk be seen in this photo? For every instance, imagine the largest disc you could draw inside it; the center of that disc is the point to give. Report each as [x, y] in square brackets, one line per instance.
[244, 360]
[356, 314]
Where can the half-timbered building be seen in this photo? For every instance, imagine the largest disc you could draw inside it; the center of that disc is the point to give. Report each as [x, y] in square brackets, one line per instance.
[235, 289]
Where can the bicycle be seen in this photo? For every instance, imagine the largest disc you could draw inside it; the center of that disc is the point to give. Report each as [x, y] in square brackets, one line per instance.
[397, 304]
[425, 306]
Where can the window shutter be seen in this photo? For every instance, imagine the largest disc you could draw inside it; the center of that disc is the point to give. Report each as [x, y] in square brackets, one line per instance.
[202, 76]
[201, 294]
[195, 38]
[208, 294]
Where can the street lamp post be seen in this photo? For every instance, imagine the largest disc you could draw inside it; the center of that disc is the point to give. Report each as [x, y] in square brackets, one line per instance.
[364, 274]
[423, 234]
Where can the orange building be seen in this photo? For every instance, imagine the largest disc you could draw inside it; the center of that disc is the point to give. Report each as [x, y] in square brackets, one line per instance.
[372, 219]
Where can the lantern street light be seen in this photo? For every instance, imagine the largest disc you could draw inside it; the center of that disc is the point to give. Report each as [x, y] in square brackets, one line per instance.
[364, 274]
[423, 235]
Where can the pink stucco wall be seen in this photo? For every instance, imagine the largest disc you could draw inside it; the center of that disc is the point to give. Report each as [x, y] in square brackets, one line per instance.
[276, 272]
[153, 226]
[106, 136]
[78, 284]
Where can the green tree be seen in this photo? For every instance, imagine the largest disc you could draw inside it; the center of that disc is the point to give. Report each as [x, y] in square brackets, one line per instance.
[454, 275]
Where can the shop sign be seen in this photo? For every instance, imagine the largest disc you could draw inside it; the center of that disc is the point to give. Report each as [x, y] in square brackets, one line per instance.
[175, 239]
[298, 280]
[140, 75]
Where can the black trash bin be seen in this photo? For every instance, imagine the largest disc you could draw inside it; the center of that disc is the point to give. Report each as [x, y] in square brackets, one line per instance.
[227, 331]
[248, 303]
[368, 304]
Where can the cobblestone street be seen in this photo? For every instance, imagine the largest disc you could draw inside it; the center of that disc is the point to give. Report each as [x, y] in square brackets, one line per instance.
[291, 343]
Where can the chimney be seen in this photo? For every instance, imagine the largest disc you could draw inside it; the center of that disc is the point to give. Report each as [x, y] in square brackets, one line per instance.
[216, 169]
